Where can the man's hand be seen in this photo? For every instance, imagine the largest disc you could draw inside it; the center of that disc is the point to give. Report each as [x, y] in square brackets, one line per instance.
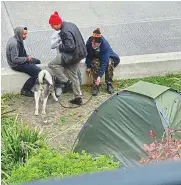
[98, 80]
[30, 58]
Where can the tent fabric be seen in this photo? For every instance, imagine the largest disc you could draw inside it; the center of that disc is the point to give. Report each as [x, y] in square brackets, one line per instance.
[123, 124]
[169, 104]
[147, 89]
[120, 126]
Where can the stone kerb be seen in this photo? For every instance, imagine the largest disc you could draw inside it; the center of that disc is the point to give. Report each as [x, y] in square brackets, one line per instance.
[129, 67]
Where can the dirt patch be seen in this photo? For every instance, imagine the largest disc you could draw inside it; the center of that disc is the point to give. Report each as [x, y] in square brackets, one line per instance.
[61, 124]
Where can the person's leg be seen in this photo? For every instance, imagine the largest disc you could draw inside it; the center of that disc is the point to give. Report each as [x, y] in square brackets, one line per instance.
[109, 76]
[35, 61]
[59, 71]
[32, 70]
[95, 71]
[79, 76]
[72, 72]
[29, 84]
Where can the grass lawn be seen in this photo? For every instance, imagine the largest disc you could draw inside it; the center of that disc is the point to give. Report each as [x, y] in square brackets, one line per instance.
[171, 80]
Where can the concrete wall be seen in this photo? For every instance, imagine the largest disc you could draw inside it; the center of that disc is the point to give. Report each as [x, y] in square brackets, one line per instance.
[129, 67]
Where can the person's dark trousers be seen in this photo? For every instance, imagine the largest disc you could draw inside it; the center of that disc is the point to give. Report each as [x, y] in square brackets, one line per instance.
[35, 61]
[31, 69]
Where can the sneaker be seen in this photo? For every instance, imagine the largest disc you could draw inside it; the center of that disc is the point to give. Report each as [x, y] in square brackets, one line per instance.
[58, 91]
[95, 90]
[27, 93]
[110, 88]
[77, 101]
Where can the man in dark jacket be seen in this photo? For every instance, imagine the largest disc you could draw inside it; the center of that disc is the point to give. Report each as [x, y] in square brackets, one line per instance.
[72, 51]
[18, 59]
[100, 59]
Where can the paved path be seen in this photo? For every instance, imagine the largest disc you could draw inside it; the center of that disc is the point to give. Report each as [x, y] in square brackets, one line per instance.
[132, 28]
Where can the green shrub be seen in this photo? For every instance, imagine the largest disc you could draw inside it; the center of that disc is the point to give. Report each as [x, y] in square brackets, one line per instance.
[48, 164]
[18, 142]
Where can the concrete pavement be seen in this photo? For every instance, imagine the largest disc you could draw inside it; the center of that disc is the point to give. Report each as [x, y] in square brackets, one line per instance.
[132, 28]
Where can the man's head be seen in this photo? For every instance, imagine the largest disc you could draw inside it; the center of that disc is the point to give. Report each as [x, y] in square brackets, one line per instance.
[25, 33]
[96, 38]
[55, 21]
[21, 32]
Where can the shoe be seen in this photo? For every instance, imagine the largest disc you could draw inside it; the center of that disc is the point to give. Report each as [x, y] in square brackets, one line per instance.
[58, 91]
[28, 93]
[95, 90]
[77, 101]
[110, 88]
[67, 87]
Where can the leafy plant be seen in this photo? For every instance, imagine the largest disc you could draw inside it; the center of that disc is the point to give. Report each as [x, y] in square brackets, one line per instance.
[18, 142]
[49, 164]
[169, 148]
[9, 96]
[3, 106]
[63, 119]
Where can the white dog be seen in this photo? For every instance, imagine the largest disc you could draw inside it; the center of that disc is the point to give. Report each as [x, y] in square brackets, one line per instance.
[44, 86]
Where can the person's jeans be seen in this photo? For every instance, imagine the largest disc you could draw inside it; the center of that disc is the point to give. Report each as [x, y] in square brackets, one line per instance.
[31, 69]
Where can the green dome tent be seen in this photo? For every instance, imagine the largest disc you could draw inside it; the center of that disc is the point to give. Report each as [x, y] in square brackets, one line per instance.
[120, 126]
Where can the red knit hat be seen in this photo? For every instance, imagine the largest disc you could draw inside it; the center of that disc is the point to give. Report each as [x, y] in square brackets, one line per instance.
[55, 19]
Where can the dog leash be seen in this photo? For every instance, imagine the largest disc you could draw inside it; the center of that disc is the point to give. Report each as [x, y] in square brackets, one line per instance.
[73, 107]
[8, 112]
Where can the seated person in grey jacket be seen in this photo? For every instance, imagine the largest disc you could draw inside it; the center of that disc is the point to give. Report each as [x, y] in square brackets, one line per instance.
[18, 59]
[55, 42]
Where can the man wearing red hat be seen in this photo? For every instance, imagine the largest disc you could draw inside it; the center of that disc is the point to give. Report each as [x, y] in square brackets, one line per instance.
[72, 50]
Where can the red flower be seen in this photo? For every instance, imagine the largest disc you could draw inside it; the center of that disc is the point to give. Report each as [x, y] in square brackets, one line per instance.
[152, 134]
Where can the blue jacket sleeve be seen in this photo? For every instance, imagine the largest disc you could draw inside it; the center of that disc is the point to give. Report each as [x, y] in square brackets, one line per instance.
[88, 62]
[89, 57]
[104, 61]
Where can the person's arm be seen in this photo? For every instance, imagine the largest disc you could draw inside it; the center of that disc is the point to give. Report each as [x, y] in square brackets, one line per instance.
[89, 58]
[14, 55]
[68, 45]
[55, 41]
